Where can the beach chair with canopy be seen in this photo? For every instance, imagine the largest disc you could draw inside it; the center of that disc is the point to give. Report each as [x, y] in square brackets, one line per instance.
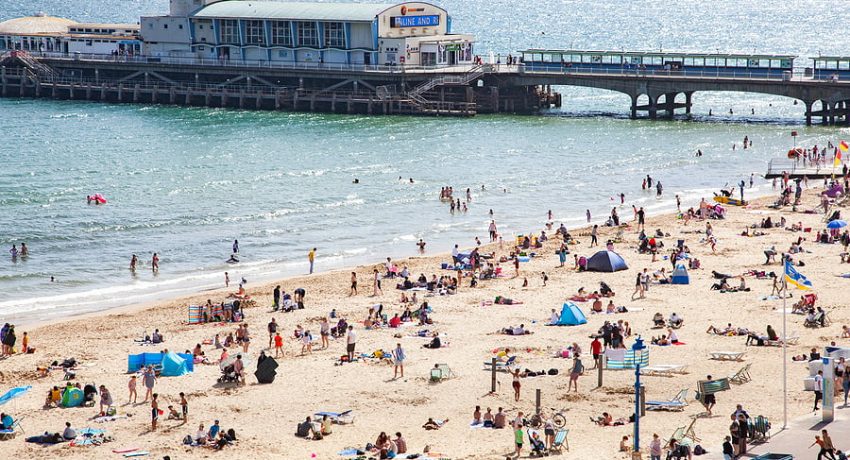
[742, 376]
[561, 441]
[677, 403]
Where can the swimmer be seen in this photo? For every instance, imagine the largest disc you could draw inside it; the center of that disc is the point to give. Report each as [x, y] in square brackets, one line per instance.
[133, 261]
[233, 259]
[355, 181]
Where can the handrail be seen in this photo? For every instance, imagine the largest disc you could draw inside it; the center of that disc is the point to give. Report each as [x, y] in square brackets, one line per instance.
[544, 70]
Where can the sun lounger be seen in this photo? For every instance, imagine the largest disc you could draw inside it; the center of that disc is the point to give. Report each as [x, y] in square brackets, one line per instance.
[677, 403]
[501, 366]
[341, 418]
[742, 376]
[778, 342]
[561, 441]
[728, 355]
[666, 370]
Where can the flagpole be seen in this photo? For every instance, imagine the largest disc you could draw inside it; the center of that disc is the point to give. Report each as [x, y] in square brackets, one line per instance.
[784, 354]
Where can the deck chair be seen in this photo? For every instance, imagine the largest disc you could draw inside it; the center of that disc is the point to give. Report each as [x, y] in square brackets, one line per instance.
[12, 430]
[441, 372]
[760, 429]
[561, 441]
[742, 376]
[821, 316]
[685, 435]
[677, 403]
[707, 387]
[503, 367]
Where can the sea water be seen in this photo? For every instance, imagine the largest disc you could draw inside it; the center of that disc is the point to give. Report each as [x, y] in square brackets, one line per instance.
[186, 182]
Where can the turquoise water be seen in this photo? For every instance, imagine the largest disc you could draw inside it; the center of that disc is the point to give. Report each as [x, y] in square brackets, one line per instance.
[185, 182]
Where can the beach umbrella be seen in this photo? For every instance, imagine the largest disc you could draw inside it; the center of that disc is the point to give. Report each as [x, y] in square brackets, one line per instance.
[836, 224]
[13, 393]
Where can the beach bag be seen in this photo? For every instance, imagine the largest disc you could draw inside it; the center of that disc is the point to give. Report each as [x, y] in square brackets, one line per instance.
[698, 450]
[553, 371]
[187, 440]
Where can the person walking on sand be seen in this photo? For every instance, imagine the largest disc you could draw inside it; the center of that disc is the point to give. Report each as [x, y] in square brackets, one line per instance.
[278, 345]
[272, 327]
[376, 283]
[351, 343]
[149, 379]
[709, 400]
[516, 265]
[594, 236]
[131, 386]
[516, 384]
[154, 411]
[226, 279]
[353, 291]
[311, 256]
[155, 262]
[493, 231]
[184, 406]
[575, 372]
[398, 361]
[638, 286]
[325, 332]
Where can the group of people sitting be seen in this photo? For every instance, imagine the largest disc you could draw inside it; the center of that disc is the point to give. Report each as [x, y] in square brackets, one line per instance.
[610, 309]
[224, 312]
[488, 419]
[215, 437]
[314, 429]
[518, 330]
[762, 340]
[724, 286]
[729, 330]
[671, 338]
[675, 321]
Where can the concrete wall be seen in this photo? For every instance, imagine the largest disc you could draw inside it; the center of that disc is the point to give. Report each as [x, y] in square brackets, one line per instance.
[165, 36]
[203, 31]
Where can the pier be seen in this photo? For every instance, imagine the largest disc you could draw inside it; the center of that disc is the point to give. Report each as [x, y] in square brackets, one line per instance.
[461, 90]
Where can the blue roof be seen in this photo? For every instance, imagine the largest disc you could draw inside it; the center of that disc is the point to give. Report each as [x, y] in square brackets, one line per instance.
[299, 11]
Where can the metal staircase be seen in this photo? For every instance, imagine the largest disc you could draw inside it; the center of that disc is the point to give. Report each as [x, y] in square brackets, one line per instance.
[416, 95]
[43, 71]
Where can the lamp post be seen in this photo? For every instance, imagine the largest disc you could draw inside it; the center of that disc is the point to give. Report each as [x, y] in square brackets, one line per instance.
[637, 348]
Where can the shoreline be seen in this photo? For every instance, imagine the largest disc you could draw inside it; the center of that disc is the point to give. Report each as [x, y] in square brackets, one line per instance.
[270, 279]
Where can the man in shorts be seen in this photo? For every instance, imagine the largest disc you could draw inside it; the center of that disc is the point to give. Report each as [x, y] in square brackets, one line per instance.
[709, 400]
[272, 331]
[351, 342]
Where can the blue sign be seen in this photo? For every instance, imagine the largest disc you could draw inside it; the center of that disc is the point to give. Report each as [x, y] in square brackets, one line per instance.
[415, 21]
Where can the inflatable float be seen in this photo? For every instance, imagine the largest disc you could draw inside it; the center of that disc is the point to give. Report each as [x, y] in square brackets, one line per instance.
[730, 201]
[97, 198]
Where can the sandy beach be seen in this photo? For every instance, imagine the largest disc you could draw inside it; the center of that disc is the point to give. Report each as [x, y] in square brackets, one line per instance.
[265, 416]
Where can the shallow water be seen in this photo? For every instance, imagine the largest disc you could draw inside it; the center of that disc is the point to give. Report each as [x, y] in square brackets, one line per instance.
[184, 182]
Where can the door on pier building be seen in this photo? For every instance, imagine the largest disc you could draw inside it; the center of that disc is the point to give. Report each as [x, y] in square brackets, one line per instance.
[224, 53]
[367, 58]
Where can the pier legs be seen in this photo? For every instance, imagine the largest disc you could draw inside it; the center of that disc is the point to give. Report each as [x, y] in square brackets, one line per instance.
[634, 109]
[688, 103]
[809, 105]
[3, 80]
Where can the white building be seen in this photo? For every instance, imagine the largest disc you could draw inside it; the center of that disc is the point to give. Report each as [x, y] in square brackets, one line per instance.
[42, 33]
[412, 33]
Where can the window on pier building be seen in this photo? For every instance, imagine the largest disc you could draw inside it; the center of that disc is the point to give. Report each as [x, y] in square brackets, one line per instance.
[334, 35]
[254, 33]
[281, 35]
[229, 32]
[307, 34]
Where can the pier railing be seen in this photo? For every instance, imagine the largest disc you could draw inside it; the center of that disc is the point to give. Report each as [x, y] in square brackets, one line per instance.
[256, 64]
[542, 69]
[777, 168]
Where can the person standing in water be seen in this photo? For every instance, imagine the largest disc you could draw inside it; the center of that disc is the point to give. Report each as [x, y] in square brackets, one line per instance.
[133, 261]
[587, 212]
[236, 246]
[25, 252]
[658, 189]
[155, 262]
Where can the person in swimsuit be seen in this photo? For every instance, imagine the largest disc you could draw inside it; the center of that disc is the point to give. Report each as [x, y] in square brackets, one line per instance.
[353, 284]
[154, 411]
[517, 385]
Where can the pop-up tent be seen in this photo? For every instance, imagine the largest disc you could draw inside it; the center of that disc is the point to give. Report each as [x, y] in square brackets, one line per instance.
[571, 315]
[266, 370]
[680, 275]
[606, 261]
[136, 362]
[72, 397]
[174, 365]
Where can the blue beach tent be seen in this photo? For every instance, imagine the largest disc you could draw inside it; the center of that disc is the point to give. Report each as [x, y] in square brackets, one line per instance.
[571, 315]
[606, 261]
[136, 362]
[680, 275]
[173, 365]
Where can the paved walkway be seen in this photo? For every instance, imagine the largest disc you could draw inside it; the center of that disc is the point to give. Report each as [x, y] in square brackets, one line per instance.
[799, 435]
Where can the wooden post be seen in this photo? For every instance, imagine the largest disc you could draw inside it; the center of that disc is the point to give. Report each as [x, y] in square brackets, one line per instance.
[537, 395]
[493, 375]
[3, 80]
[599, 365]
[642, 400]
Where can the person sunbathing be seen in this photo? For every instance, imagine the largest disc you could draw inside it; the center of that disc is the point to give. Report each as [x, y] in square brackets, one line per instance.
[658, 320]
[663, 341]
[506, 301]
[604, 420]
[432, 424]
[728, 330]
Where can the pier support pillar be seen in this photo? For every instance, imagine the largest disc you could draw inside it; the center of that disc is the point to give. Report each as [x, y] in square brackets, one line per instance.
[349, 105]
[259, 100]
[688, 101]
[53, 90]
[333, 103]
[809, 105]
[102, 92]
[88, 92]
[23, 84]
[633, 111]
[224, 98]
[207, 97]
[155, 94]
[653, 107]
[277, 100]
[172, 95]
[3, 80]
[70, 91]
[831, 113]
[369, 107]
[241, 99]
[312, 103]
[188, 100]
[121, 92]
[136, 93]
